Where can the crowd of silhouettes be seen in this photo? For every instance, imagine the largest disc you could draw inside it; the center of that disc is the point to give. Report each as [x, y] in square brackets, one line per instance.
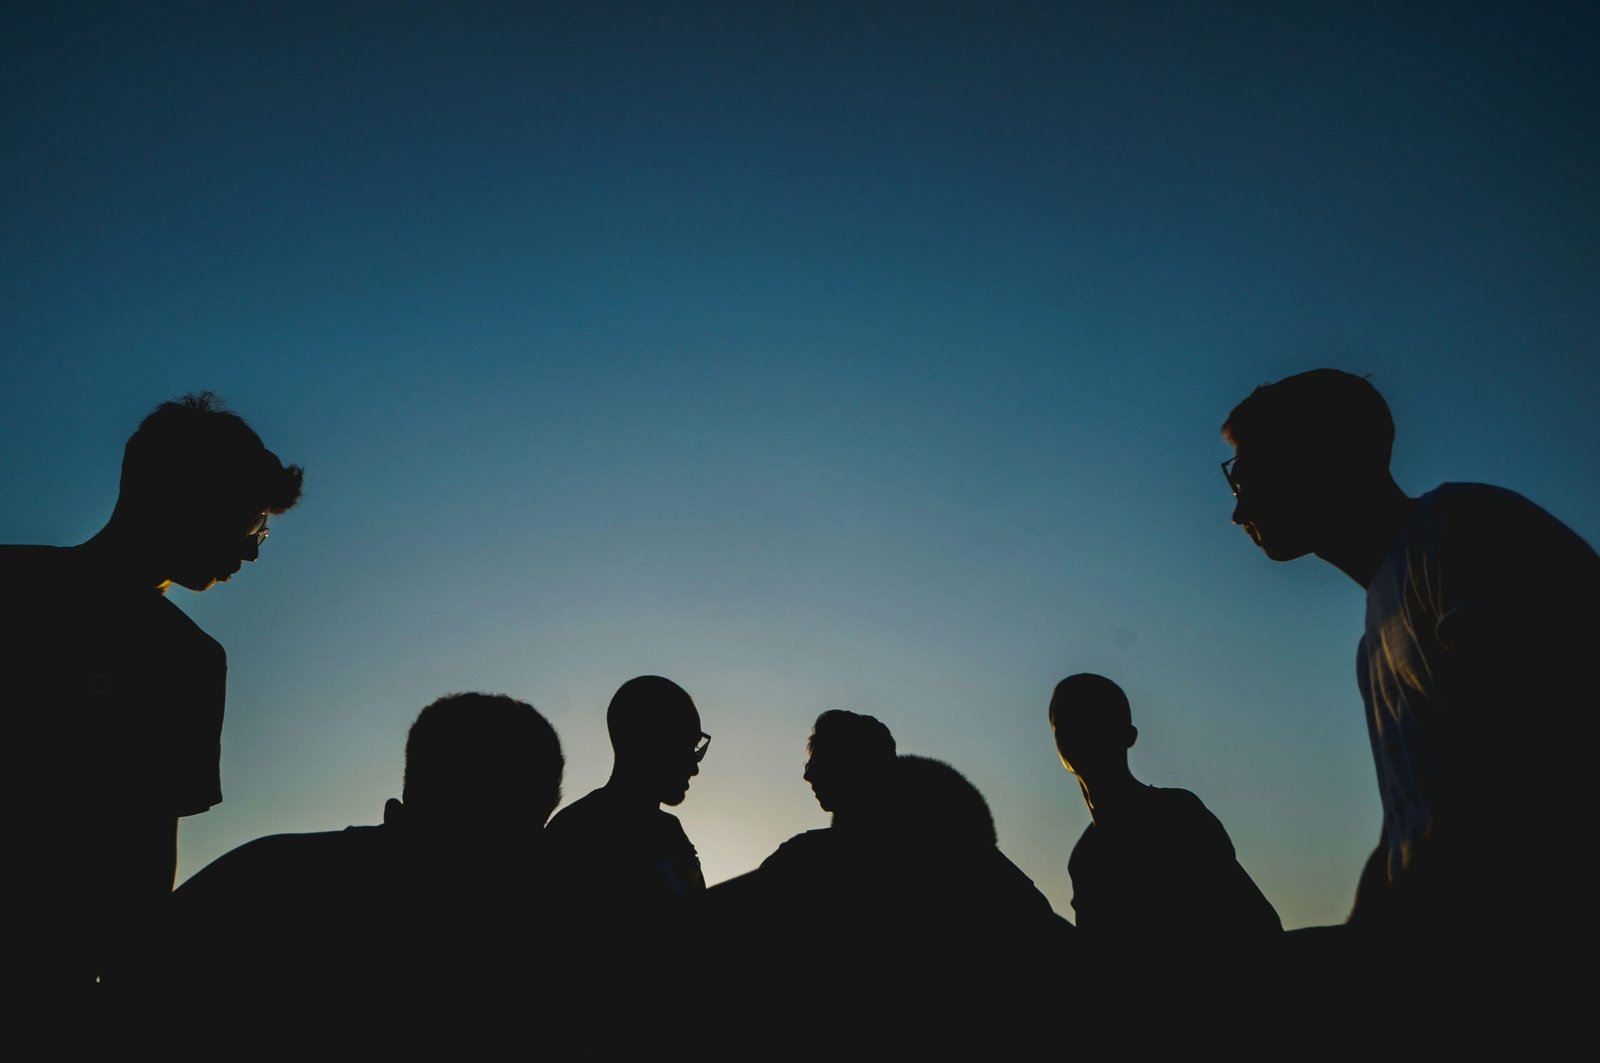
[470, 915]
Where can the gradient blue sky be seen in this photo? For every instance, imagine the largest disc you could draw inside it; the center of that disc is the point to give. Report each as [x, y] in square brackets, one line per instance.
[816, 356]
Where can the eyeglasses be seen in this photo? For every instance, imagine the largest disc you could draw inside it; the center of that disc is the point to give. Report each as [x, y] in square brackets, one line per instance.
[1227, 472]
[701, 746]
[257, 529]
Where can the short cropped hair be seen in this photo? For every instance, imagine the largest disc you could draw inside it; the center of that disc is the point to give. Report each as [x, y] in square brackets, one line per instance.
[468, 751]
[1319, 413]
[197, 446]
[859, 737]
[646, 711]
[938, 802]
[1091, 698]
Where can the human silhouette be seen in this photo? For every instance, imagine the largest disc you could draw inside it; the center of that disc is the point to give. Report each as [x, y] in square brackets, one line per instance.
[903, 916]
[1175, 936]
[849, 758]
[617, 838]
[941, 837]
[441, 913]
[1476, 655]
[114, 697]
[850, 766]
[1154, 872]
[630, 876]
[850, 763]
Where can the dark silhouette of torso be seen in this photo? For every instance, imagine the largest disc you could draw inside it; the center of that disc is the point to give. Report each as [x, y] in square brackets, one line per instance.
[1480, 627]
[114, 699]
[915, 930]
[630, 891]
[636, 857]
[367, 933]
[1162, 871]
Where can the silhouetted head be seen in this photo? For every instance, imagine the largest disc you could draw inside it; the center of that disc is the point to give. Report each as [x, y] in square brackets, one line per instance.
[197, 488]
[850, 755]
[935, 803]
[481, 764]
[1304, 449]
[1092, 722]
[655, 731]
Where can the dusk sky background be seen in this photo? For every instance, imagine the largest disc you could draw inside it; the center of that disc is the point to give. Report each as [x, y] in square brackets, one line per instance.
[864, 356]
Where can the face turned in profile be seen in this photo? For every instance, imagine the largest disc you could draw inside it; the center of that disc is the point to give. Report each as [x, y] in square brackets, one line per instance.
[1309, 451]
[1273, 502]
[213, 545]
[196, 490]
[849, 757]
[655, 731]
[681, 754]
[821, 773]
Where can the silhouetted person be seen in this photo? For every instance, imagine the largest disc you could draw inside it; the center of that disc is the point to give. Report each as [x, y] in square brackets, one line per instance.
[903, 916]
[1480, 629]
[940, 828]
[1175, 935]
[395, 932]
[849, 764]
[1155, 871]
[849, 758]
[617, 838]
[114, 697]
[631, 876]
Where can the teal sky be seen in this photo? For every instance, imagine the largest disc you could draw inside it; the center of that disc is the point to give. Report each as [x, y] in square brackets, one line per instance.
[864, 356]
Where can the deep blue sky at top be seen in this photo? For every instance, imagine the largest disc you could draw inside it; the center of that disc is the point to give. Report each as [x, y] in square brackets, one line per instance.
[860, 356]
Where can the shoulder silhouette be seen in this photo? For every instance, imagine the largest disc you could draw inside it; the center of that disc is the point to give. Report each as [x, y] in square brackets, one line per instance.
[1477, 637]
[442, 908]
[117, 695]
[912, 926]
[630, 878]
[1154, 871]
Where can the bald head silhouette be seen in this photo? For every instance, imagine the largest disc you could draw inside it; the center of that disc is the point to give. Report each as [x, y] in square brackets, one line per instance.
[655, 734]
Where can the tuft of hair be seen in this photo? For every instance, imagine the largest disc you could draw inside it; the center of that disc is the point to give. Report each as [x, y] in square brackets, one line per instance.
[1318, 413]
[197, 446]
[474, 751]
[1091, 698]
[937, 801]
[853, 735]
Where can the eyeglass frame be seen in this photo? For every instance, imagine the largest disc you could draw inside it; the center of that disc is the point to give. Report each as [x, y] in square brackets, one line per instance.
[258, 528]
[1227, 474]
[701, 746]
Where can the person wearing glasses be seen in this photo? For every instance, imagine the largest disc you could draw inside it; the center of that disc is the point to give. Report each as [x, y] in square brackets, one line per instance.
[1474, 665]
[617, 838]
[629, 875]
[114, 697]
